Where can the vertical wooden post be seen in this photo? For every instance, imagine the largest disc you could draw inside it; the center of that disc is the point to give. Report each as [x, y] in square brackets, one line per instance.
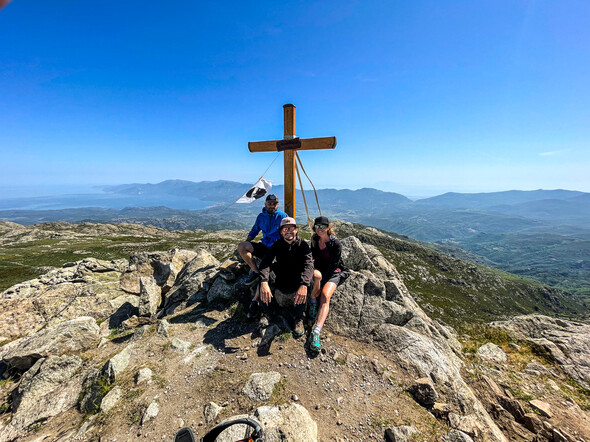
[289, 159]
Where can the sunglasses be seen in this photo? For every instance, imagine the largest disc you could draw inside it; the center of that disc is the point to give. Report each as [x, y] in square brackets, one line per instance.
[289, 228]
[321, 226]
[272, 203]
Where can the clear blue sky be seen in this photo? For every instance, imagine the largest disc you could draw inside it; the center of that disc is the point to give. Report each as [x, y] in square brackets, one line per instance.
[424, 96]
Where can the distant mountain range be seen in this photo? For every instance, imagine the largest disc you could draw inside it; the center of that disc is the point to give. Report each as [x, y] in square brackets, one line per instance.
[544, 234]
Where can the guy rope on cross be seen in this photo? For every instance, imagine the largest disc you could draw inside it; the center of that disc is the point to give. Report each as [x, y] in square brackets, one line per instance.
[289, 145]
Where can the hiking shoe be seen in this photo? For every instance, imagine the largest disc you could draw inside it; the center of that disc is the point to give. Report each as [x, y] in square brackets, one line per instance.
[263, 321]
[313, 310]
[314, 343]
[299, 330]
[253, 309]
[253, 279]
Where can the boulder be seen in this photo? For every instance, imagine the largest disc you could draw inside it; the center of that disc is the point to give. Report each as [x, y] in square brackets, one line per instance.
[543, 408]
[261, 385]
[71, 336]
[150, 296]
[113, 368]
[52, 385]
[492, 353]
[111, 399]
[533, 423]
[458, 436]
[286, 423]
[211, 411]
[162, 266]
[163, 328]
[85, 288]
[192, 279]
[180, 345]
[423, 392]
[403, 433]
[143, 376]
[568, 342]
[150, 413]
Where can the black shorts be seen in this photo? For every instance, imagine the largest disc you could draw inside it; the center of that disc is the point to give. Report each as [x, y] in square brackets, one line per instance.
[259, 249]
[334, 277]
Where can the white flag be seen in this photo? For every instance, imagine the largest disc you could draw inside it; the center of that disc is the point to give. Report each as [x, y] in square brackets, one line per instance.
[258, 190]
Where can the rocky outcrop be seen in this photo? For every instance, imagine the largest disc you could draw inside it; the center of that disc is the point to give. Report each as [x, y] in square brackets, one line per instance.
[75, 335]
[374, 305]
[162, 266]
[192, 281]
[150, 296]
[567, 342]
[48, 388]
[86, 288]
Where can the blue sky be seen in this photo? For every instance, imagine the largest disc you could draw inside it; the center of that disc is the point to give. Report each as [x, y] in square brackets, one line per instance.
[424, 96]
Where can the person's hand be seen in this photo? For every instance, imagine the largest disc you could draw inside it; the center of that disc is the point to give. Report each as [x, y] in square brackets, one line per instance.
[301, 295]
[265, 293]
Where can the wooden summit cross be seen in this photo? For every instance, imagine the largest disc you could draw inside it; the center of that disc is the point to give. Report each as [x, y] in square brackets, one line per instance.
[289, 145]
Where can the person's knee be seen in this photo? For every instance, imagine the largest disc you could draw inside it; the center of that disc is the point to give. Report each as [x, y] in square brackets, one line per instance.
[244, 247]
[317, 274]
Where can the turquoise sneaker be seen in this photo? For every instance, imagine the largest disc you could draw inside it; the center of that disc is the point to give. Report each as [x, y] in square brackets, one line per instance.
[314, 343]
[313, 311]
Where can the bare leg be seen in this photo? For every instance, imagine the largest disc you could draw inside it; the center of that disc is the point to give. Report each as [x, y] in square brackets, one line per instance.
[327, 292]
[245, 250]
[317, 279]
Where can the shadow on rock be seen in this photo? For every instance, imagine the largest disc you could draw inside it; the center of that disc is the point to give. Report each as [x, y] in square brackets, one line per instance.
[124, 312]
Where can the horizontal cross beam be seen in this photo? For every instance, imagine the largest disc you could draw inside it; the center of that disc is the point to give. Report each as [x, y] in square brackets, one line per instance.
[306, 144]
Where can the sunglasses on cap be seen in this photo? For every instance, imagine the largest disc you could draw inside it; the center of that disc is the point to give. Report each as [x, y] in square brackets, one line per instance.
[321, 226]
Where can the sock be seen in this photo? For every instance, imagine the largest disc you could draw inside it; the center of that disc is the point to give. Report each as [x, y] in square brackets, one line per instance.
[317, 329]
[313, 300]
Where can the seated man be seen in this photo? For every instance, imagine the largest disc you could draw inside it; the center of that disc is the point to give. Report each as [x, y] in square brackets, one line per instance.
[268, 222]
[291, 263]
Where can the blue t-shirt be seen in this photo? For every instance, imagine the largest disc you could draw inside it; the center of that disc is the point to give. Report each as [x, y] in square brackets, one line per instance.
[269, 224]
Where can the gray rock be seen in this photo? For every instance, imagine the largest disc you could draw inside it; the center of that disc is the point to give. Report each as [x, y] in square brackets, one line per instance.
[150, 414]
[221, 289]
[286, 423]
[163, 328]
[492, 353]
[111, 399]
[424, 392]
[71, 336]
[469, 425]
[117, 364]
[568, 342]
[403, 433]
[533, 423]
[261, 385]
[180, 345]
[150, 296]
[84, 289]
[211, 411]
[48, 388]
[542, 407]
[192, 278]
[162, 266]
[290, 422]
[143, 376]
[458, 436]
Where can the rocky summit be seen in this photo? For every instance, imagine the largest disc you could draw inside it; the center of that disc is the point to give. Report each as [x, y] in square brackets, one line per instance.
[110, 348]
